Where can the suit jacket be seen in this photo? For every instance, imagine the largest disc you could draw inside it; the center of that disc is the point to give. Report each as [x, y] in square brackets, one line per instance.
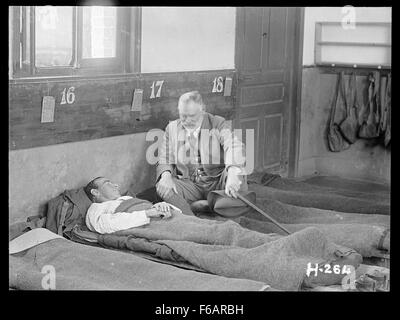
[219, 148]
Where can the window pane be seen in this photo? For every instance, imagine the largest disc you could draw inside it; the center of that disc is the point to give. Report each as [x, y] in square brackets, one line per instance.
[26, 25]
[99, 32]
[187, 38]
[53, 31]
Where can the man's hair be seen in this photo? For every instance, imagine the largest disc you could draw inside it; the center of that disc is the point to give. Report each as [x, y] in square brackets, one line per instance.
[194, 96]
[88, 188]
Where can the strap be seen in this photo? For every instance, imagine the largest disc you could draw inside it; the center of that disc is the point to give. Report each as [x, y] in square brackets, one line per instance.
[382, 239]
[344, 95]
[335, 99]
[62, 217]
[370, 96]
[355, 103]
[382, 95]
[388, 95]
[354, 88]
[388, 99]
[377, 77]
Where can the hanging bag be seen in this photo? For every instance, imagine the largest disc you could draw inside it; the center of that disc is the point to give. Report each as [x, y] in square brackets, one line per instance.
[377, 101]
[349, 126]
[369, 126]
[388, 102]
[336, 142]
[383, 107]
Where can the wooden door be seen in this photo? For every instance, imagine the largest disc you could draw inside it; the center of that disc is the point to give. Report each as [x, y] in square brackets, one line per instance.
[265, 58]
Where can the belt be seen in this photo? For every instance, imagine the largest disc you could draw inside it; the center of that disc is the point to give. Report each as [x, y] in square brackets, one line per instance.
[197, 174]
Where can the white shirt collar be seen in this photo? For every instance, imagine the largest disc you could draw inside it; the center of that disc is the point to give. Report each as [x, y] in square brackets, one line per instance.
[124, 198]
[195, 132]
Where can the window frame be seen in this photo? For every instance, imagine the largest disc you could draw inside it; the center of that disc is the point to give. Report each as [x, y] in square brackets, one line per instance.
[79, 66]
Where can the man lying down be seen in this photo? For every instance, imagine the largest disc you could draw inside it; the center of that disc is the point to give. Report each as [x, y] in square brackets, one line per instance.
[219, 247]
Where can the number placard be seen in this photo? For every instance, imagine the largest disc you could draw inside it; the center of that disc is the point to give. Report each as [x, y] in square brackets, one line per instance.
[155, 84]
[48, 105]
[218, 84]
[137, 100]
[228, 87]
[68, 96]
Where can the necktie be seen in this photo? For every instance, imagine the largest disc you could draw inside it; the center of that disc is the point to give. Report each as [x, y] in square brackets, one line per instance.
[192, 152]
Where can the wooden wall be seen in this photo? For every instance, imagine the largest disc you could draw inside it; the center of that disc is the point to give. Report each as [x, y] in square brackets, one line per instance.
[102, 106]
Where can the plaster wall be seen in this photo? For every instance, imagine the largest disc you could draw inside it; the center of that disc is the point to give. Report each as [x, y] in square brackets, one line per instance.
[365, 159]
[38, 174]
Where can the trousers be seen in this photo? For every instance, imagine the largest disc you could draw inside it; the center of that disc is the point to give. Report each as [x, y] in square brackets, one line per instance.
[190, 191]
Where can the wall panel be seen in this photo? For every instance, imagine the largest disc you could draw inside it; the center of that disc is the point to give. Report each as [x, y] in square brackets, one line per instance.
[102, 106]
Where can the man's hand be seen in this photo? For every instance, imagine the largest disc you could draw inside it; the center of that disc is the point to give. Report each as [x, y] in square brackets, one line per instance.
[166, 185]
[233, 182]
[154, 213]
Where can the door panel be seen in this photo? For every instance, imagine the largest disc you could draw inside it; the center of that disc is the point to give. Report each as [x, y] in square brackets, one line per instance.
[252, 37]
[259, 94]
[273, 140]
[276, 56]
[265, 45]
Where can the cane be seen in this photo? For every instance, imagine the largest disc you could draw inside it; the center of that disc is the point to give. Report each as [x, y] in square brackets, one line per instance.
[262, 212]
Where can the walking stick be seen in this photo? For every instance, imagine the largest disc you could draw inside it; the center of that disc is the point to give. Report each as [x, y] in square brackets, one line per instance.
[262, 212]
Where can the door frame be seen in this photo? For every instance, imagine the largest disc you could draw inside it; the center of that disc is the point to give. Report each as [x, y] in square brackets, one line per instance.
[296, 82]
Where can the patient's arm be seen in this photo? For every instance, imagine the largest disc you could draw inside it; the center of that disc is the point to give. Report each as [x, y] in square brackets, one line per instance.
[99, 219]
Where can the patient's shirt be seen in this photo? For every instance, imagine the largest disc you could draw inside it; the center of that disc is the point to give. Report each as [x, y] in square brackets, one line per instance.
[102, 218]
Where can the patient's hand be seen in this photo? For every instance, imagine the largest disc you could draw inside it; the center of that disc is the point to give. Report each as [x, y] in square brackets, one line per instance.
[154, 213]
[162, 206]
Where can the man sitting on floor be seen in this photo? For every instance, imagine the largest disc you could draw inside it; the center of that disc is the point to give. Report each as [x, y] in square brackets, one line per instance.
[199, 153]
[108, 213]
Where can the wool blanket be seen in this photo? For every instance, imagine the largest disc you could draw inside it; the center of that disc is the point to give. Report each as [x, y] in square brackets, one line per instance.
[81, 267]
[368, 234]
[226, 249]
[322, 200]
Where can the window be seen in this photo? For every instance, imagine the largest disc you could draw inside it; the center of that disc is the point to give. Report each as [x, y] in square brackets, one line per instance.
[54, 40]
[99, 32]
[90, 40]
[187, 38]
[53, 36]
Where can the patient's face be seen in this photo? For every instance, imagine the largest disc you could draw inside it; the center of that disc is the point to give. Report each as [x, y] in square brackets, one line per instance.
[107, 190]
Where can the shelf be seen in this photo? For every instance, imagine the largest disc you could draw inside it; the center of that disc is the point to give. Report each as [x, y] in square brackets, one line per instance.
[360, 44]
[352, 65]
[368, 45]
[360, 24]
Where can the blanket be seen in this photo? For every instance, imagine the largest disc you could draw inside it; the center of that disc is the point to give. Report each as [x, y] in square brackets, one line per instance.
[368, 234]
[367, 240]
[81, 267]
[322, 200]
[287, 213]
[225, 248]
[328, 185]
[348, 184]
